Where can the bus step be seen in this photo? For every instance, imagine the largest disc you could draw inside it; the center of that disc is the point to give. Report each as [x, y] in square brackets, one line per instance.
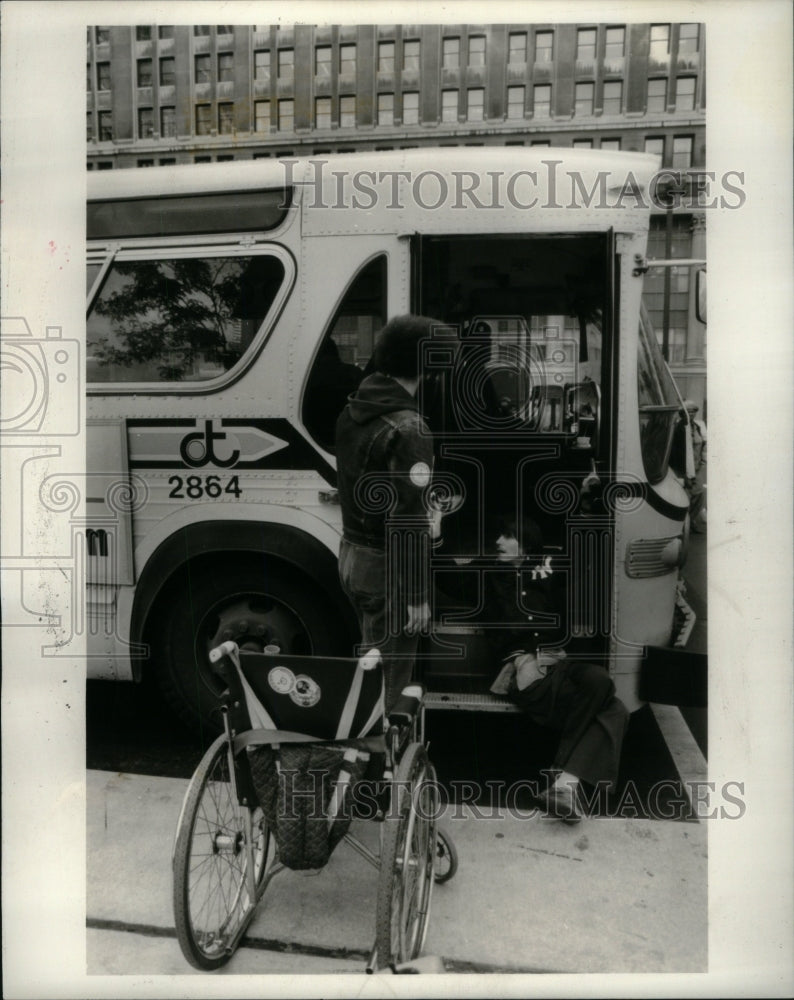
[448, 701]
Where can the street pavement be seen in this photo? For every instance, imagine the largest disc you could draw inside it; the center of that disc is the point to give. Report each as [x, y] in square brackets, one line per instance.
[531, 895]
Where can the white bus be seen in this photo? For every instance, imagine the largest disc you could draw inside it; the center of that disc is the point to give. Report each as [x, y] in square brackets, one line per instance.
[232, 307]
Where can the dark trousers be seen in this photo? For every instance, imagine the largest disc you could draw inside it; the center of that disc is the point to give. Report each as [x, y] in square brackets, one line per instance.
[578, 700]
[381, 616]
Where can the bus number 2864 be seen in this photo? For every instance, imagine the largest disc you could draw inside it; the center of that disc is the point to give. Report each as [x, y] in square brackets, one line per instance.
[199, 487]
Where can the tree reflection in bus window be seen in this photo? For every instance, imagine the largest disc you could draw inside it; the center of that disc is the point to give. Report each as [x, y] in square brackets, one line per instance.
[181, 319]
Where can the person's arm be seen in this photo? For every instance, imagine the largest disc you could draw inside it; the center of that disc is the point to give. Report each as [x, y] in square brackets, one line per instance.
[411, 467]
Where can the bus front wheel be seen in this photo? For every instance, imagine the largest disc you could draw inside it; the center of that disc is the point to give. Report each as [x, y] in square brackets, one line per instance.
[253, 605]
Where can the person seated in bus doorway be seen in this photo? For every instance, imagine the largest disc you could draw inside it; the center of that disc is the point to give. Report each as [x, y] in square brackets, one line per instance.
[384, 456]
[576, 699]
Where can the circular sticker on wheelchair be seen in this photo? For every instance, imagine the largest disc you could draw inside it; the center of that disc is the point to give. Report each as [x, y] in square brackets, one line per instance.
[306, 691]
[281, 679]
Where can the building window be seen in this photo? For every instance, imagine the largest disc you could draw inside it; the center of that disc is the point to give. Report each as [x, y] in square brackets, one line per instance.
[168, 161]
[517, 47]
[201, 29]
[203, 119]
[89, 126]
[286, 64]
[688, 38]
[610, 144]
[386, 57]
[203, 69]
[145, 123]
[347, 112]
[660, 41]
[584, 99]
[225, 158]
[685, 93]
[224, 29]
[411, 52]
[202, 159]
[615, 44]
[165, 31]
[515, 102]
[655, 146]
[322, 60]
[104, 165]
[449, 105]
[143, 33]
[286, 116]
[225, 67]
[682, 152]
[583, 144]
[167, 122]
[475, 104]
[322, 112]
[145, 163]
[262, 116]
[89, 83]
[102, 35]
[144, 72]
[226, 118]
[544, 46]
[105, 126]
[657, 94]
[261, 64]
[613, 97]
[451, 53]
[586, 45]
[541, 97]
[347, 59]
[103, 76]
[477, 50]
[167, 72]
[411, 108]
[385, 109]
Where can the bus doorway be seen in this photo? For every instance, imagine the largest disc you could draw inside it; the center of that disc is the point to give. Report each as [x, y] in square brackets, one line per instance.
[518, 388]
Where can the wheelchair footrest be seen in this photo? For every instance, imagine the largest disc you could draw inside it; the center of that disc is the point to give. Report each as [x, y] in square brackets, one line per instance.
[450, 702]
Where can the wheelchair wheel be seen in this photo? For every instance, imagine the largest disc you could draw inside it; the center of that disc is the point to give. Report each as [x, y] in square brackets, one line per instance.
[446, 858]
[212, 859]
[407, 858]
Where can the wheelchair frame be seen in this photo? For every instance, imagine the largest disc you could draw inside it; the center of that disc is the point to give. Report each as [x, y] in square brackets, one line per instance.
[225, 855]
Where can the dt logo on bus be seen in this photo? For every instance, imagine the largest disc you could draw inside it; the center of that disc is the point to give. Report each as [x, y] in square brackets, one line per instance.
[198, 449]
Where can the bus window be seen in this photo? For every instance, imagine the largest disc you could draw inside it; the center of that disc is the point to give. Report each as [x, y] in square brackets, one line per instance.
[178, 319]
[658, 401]
[345, 351]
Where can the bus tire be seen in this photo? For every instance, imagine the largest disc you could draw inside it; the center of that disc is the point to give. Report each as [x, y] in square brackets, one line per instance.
[252, 604]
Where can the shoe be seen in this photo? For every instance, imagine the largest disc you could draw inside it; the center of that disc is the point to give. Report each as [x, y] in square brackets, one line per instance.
[560, 802]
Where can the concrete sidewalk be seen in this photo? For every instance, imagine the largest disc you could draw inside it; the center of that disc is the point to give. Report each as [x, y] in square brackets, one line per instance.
[531, 895]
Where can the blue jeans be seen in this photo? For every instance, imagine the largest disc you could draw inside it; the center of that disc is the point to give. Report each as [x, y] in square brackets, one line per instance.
[381, 616]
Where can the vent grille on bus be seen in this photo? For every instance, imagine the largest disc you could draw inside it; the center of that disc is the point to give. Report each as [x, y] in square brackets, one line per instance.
[644, 557]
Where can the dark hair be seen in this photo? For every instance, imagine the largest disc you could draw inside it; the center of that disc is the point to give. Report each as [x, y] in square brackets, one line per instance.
[526, 531]
[397, 347]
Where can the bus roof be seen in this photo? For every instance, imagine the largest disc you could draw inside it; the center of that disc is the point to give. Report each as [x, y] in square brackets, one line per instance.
[287, 171]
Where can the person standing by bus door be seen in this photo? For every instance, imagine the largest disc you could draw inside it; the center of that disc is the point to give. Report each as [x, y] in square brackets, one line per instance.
[694, 486]
[384, 453]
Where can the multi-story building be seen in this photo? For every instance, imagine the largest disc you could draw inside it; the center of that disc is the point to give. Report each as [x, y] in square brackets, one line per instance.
[165, 94]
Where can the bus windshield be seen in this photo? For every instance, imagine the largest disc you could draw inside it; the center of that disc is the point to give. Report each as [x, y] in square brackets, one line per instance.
[658, 402]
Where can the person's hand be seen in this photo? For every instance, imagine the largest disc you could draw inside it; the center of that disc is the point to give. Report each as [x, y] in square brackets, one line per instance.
[418, 618]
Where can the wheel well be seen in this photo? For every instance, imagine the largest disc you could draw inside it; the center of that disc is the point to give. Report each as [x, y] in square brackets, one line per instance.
[292, 552]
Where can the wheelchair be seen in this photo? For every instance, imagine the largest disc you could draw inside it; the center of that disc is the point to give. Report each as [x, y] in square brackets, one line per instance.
[285, 719]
